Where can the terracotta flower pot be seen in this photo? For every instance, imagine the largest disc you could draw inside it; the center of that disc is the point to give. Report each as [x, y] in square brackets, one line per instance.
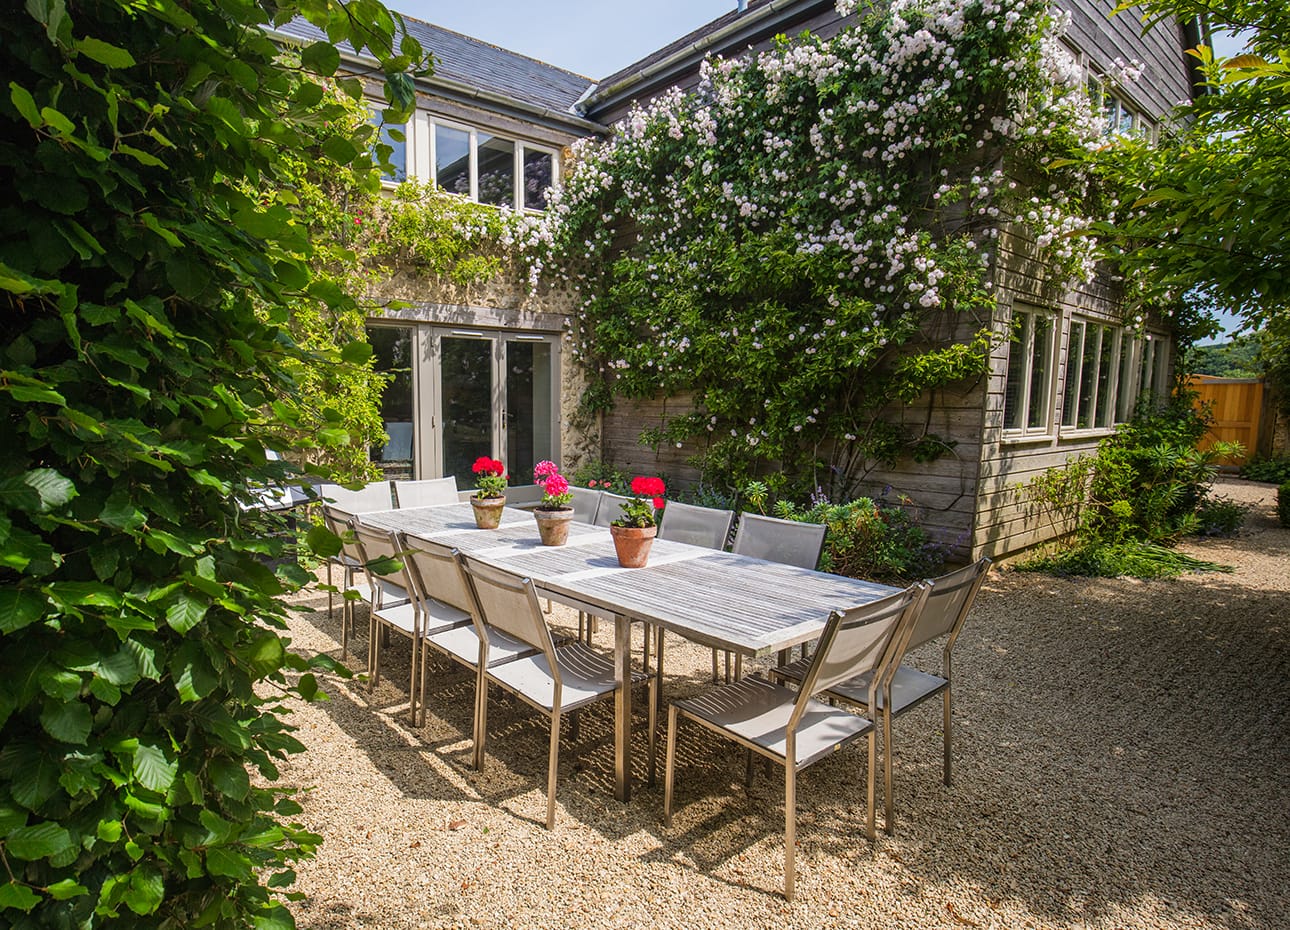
[553, 525]
[488, 511]
[632, 544]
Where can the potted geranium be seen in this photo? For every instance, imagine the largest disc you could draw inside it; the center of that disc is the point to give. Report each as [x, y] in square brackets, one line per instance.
[634, 531]
[554, 514]
[490, 496]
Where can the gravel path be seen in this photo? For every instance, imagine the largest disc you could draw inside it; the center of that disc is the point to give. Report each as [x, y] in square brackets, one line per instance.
[1121, 756]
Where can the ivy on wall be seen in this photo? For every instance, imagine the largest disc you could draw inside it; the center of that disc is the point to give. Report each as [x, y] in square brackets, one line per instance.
[793, 242]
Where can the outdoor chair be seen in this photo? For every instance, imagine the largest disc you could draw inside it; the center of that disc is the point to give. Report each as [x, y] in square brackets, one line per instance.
[788, 542]
[525, 496]
[585, 503]
[439, 584]
[390, 603]
[554, 680]
[428, 493]
[350, 562]
[375, 496]
[611, 508]
[792, 728]
[949, 600]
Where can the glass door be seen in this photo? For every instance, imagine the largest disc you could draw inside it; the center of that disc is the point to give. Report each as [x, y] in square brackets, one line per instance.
[394, 349]
[528, 420]
[467, 399]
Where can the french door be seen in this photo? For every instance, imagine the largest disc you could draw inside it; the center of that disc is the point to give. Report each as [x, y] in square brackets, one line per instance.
[474, 392]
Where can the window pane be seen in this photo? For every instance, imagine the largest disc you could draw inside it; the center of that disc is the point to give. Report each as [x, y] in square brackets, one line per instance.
[1126, 120]
[1074, 373]
[1013, 395]
[467, 379]
[392, 348]
[1148, 365]
[1040, 357]
[538, 176]
[529, 414]
[1088, 378]
[394, 137]
[452, 159]
[1128, 385]
[1105, 368]
[496, 170]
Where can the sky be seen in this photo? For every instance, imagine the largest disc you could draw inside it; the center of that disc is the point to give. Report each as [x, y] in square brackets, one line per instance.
[594, 38]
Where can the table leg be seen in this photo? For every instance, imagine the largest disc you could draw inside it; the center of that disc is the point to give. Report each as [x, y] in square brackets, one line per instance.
[623, 708]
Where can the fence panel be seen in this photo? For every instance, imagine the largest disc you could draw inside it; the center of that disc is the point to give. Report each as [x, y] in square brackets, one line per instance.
[1236, 404]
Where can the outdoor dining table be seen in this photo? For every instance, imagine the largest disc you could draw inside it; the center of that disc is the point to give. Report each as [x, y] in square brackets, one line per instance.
[747, 606]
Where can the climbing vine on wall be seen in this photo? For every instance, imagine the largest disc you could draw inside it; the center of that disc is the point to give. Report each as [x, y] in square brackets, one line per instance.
[792, 242]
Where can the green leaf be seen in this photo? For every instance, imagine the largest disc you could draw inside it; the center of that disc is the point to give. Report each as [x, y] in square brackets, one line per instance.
[109, 830]
[320, 540]
[39, 841]
[25, 104]
[153, 770]
[186, 612]
[57, 120]
[276, 917]
[18, 897]
[340, 150]
[66, 889]
[225, 861]
[322, 58]
[53, 488]
[19, 608]
[104, 53]
[68, 721]
[356, 353]
[230, 778]
[147, 889]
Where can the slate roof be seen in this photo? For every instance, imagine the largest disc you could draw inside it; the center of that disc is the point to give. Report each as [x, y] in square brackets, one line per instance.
[470, 61]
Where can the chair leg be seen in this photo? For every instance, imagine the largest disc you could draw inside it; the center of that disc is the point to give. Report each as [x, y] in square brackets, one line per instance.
[658, 673]
[425, 664]
[947, 736]
[869, 830]
[373, 653]
[739, 667]
[653, 726]
[887, 754]
[669, 764]
[748, 768]
[790, 827]
[715, 674]
[553, 770]
[330, 594]
[412, 683]
[481, 717]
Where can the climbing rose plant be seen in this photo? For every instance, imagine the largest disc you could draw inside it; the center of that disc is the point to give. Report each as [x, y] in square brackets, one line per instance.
[808, 238]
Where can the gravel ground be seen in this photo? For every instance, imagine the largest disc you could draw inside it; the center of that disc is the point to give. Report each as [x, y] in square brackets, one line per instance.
[1120, 758]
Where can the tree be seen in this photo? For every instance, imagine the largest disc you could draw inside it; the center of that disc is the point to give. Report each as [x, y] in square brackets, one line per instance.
[150, 261]
[1207, 212]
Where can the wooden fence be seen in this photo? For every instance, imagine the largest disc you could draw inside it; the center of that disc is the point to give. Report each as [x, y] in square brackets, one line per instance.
[1236, 404]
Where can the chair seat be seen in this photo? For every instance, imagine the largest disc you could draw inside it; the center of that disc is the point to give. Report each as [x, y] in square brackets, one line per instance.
[401, 617]
[438, 617]
[462, 644]
[757, 711]
[586, 676]
[909, 686]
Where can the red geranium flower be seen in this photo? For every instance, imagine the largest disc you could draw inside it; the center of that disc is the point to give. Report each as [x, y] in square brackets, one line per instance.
[487, 466]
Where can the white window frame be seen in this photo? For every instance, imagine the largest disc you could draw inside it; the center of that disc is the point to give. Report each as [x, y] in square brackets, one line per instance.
[1117, 344]
[1048, 425]
[431, 124]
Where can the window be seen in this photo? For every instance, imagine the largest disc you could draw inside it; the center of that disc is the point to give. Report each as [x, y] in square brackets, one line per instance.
[391, 143]
[1092, 361]
[1119, 116]
[491, 169]
[1027, 396]
[1143, 373]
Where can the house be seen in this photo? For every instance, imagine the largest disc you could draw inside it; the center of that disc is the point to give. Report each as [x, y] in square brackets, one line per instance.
[485, 373]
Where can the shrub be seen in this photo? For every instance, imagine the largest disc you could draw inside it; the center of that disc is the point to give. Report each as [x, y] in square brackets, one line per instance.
[1274, 470]
[1136, 558]
[1219, 516]
[877, 540]
[1283, 504]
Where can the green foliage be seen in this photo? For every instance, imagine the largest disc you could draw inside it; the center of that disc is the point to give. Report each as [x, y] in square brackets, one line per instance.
[1135, 558]
[1238, 358]
[1146, 487]
[795, 245]
[1207, 210]
[601, 476]
[1283, 504]
[870, 539]
[148, 276]
[1218, 516]
[1274, 470]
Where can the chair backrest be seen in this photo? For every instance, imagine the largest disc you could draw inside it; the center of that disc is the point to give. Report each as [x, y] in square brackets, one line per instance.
[869, 638]
[428, 493]
[586, 504]
[508, 602]
[382, 544]
[436, 573]
[949, 600]
[775, 540]
[375, 496]
[698, 526]
[523, 495]
[341, 523]
[611, 508]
